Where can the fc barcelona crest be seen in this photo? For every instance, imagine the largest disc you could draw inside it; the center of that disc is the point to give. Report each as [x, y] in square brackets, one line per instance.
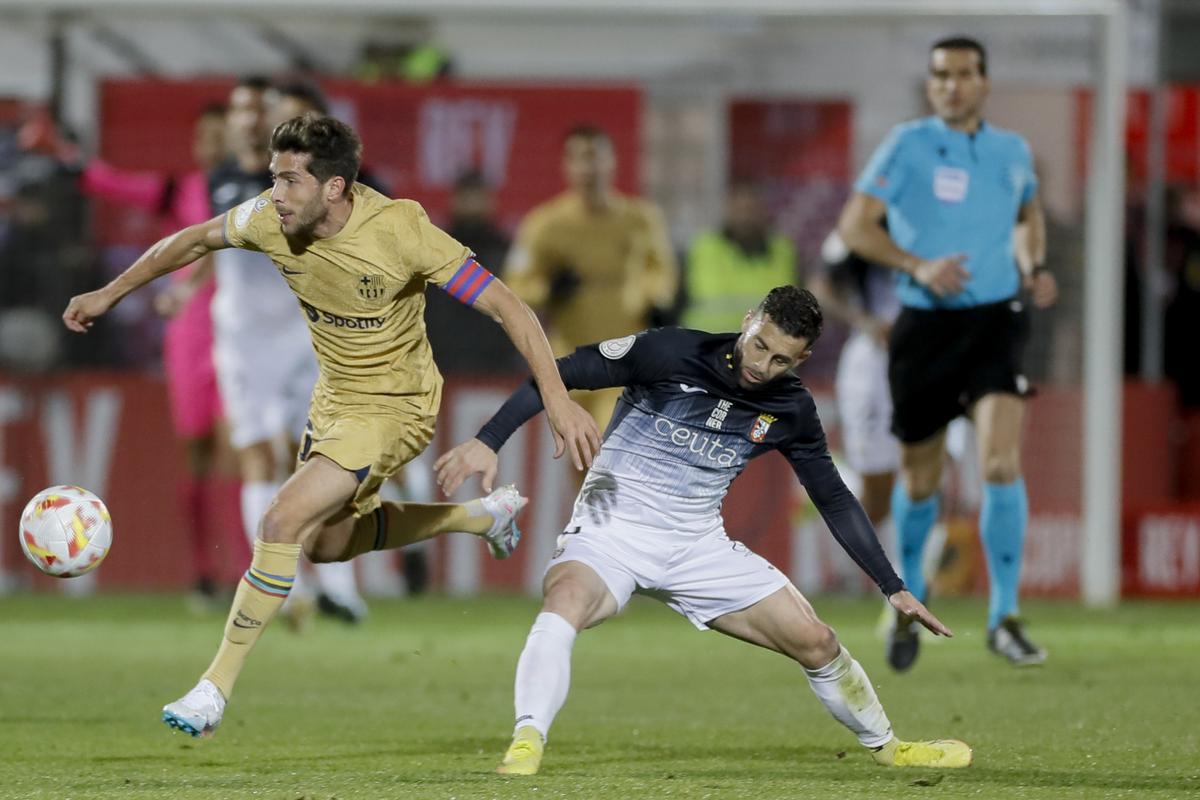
[370, 287]
[761, 426]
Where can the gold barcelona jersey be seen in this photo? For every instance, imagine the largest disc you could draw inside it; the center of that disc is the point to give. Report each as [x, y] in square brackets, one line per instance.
[363, 293]
[619, 260]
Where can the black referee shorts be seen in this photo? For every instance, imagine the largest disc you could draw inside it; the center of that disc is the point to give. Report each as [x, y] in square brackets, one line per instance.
[942, 360]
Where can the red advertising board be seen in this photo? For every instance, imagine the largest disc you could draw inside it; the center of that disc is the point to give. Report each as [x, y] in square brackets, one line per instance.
[416, 139]
[1161, 552]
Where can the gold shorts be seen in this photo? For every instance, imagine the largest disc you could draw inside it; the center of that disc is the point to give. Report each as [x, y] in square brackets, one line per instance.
[373, 443]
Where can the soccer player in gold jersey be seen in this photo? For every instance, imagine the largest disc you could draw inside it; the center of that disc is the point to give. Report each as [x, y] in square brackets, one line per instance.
[358, 263]
[594, 261]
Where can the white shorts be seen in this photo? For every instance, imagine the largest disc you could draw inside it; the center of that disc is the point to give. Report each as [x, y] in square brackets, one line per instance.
[702, 577]
[266, 383]
[865, 407]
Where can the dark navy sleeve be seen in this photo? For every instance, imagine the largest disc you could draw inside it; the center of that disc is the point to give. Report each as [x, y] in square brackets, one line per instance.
[634, 359]
[809, 456]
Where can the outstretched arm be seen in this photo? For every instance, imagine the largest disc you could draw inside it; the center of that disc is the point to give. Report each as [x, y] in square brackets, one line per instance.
[167, 255]
[853, 530]
[586, 368]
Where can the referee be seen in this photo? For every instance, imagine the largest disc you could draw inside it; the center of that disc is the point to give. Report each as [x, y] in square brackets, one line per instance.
[965, 233]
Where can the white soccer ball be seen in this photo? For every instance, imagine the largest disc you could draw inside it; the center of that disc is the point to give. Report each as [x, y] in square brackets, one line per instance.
[65, 531]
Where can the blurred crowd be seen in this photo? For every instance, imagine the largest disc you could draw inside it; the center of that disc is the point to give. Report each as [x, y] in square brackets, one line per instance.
[45, 255]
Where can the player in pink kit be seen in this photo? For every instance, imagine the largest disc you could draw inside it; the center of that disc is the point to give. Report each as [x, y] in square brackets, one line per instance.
[188, 340]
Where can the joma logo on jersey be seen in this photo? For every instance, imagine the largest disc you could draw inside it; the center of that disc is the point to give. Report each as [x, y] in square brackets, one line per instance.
[761, 425]
[370, 287]
[353, 323]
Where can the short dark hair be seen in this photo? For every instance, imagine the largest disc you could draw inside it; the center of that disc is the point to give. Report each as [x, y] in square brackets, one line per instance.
[588, 132]
[333, 145]
[258, 83]
[963, 43]
[795, 311]
[305, 93]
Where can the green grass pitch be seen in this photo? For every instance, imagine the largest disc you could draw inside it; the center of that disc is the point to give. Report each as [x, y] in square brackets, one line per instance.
[417, 703]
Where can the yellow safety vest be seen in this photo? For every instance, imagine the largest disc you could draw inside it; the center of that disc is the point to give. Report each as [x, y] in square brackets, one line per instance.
[723, 281]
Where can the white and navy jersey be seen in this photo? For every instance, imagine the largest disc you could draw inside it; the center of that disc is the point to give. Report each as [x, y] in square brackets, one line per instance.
[684, 429]
[251, 295]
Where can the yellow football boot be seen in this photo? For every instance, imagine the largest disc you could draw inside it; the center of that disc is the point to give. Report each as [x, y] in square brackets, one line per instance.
[524, 755]
[942, 753]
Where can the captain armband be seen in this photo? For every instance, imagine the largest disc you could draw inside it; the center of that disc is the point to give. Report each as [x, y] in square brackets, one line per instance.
[468, 282]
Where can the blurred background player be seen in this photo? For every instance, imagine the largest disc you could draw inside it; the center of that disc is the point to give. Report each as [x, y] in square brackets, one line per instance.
[294, 99]
[594, 262]
[195, 402]
[955, 190]
[265, 362]
[730, 270]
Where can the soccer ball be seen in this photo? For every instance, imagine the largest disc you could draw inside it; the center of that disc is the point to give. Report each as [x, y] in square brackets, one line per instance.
[65, 531]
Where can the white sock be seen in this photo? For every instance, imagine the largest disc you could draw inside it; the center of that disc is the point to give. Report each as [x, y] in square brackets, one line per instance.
[256, 496]
[544, 672]
[846, 691]
[337, 580]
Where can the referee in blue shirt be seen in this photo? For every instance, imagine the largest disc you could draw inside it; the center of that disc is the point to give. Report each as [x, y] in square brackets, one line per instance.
[965, 234]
